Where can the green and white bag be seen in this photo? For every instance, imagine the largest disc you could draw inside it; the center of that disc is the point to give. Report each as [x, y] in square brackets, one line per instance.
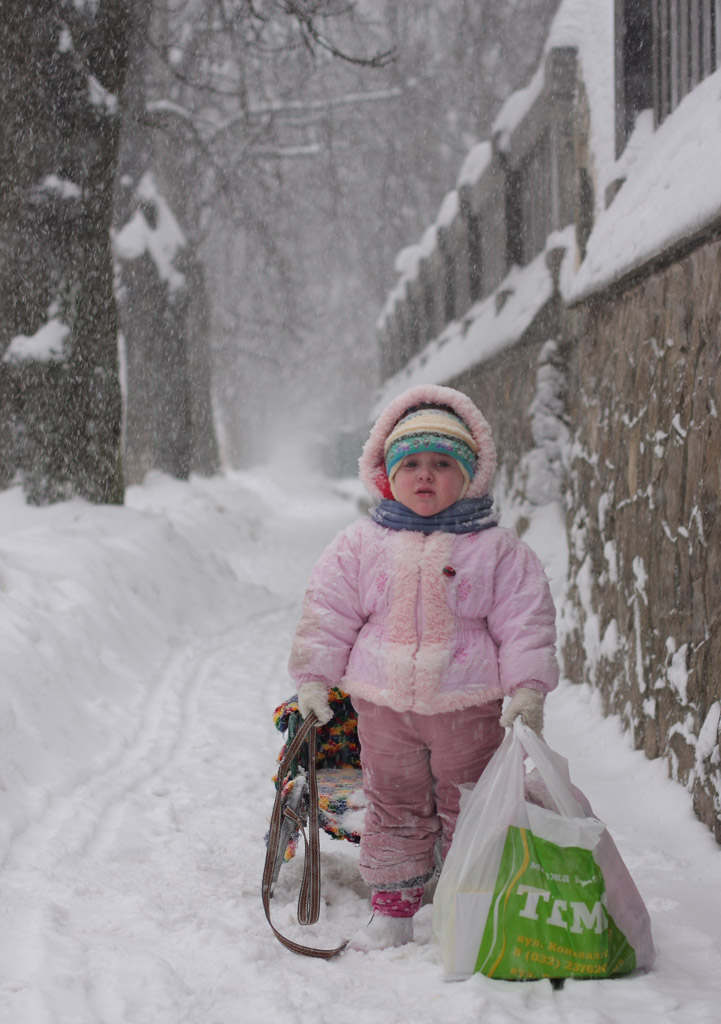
[533, 885]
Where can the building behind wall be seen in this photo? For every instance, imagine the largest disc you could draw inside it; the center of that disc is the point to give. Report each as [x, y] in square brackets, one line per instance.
[584, 240]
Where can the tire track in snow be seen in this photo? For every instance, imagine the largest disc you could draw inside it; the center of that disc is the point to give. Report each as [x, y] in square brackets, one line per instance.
[73, 818]
[133, 895]
[43, 881]
[78, 822]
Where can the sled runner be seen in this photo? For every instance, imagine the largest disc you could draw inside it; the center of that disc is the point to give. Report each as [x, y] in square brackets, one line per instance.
[339, 776]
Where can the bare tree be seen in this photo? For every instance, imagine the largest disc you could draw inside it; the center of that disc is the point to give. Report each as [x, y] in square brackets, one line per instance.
[64, 70]
[297, 290]
[293, 177]
[239, 125]
[162, 296]
[63, 67]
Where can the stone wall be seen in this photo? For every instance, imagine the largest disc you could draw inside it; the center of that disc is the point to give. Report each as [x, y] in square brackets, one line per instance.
[643, 496]
[630, 435]
[502, 220]
[504, 389]
[642, 483]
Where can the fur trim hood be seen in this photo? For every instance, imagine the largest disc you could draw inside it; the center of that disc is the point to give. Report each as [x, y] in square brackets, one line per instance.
[371, 465]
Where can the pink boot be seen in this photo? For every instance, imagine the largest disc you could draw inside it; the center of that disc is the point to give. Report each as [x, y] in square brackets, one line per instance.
[392, 921]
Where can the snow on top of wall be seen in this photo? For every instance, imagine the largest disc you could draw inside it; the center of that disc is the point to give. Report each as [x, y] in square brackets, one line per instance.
[484, 331]
[634, 149]
[428, 242]
[449, 210]
[47, 345]
[516, 107]
[411, 260]
[672, 190]
[406, 260]
[475, 164]
[672, 187]
[407, 265]
[587, 27]
[162, 243]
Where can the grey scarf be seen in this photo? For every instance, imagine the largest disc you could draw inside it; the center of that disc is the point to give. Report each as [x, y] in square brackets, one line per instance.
[469, 515]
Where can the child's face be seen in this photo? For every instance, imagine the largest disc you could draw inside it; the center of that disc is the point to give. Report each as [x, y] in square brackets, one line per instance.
[428, 482]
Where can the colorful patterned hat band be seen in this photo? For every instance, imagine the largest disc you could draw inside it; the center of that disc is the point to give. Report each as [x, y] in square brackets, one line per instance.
[431, 430]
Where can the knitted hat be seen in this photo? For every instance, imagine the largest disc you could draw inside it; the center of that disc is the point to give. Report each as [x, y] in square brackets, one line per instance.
[429, 429]
[372, 464]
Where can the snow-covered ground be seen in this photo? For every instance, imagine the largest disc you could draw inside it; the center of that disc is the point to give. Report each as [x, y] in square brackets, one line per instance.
[143, 650]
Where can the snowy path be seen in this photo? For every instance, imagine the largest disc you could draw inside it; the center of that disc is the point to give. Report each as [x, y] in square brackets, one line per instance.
[131, 893]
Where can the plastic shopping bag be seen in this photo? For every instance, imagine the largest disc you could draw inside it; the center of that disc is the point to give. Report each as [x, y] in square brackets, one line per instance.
[533, 885]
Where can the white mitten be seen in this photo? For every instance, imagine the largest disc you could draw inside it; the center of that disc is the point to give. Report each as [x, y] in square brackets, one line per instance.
[313, 696]
[528, 704]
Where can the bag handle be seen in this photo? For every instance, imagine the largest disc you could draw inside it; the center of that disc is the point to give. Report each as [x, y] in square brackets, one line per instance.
[552, 768]
[309, 896]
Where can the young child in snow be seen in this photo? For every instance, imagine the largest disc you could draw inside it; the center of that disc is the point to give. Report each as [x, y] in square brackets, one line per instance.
[428, 614]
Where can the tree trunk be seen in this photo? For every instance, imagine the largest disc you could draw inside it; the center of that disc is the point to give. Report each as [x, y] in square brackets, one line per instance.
[204, 455]
[63, 68]
[163, 304]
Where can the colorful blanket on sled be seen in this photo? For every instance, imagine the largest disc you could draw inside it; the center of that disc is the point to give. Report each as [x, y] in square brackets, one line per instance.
[341, 805]
[337, 742]
[341, 802]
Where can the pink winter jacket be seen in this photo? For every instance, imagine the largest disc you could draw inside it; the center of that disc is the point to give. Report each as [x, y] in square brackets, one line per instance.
[382, 620]
[426, 622]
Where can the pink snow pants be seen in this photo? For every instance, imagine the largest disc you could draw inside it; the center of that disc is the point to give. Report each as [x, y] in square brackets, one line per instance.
[412, 766]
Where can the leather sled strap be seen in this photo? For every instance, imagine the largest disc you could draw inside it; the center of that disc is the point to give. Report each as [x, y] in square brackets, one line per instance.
[309, 897]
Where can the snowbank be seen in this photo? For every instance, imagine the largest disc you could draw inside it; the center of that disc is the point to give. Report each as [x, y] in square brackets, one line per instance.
[144, 649]
[95, 608]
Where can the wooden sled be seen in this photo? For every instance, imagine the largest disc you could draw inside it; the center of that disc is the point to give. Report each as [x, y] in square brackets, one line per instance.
[341, 804]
